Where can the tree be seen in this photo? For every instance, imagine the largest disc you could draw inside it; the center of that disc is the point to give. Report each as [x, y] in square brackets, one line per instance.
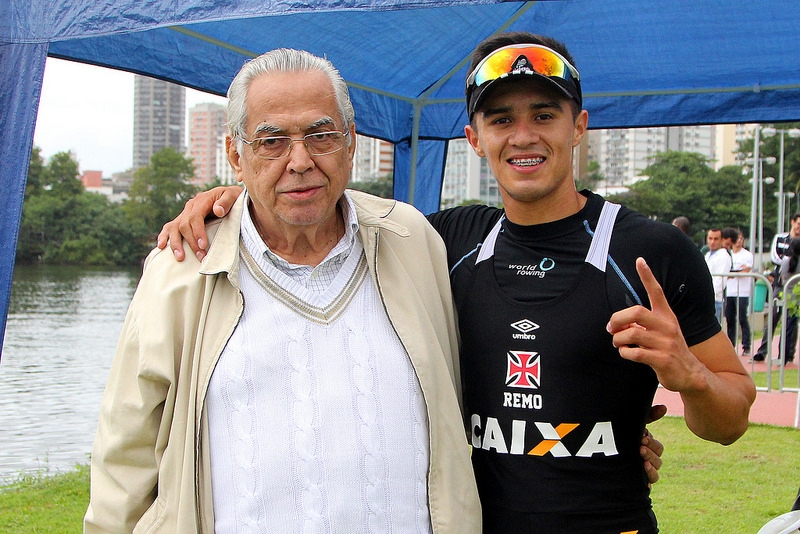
[62, 224]
[682, 183]
[770, 147]
[216, 182]
[592, 177]
[48, 206]
[378, 186]
[61, 175]
[729, 197]
[99, 234]
[35, 181]
[160, 190]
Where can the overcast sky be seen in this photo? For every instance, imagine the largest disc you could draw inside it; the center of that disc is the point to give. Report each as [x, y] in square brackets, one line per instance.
[89, 110]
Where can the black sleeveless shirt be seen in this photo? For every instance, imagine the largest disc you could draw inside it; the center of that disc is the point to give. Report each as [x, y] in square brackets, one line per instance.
[554, 413]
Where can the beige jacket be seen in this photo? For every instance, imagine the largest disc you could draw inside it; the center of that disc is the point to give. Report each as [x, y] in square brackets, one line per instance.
[150, 465]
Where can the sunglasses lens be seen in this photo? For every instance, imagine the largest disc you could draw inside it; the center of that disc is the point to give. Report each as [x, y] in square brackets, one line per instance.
[520, 59]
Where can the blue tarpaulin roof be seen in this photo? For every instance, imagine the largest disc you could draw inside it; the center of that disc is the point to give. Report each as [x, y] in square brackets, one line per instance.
[651, 63]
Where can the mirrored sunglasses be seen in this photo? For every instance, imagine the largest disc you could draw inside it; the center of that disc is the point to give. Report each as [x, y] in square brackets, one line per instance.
[522, 59]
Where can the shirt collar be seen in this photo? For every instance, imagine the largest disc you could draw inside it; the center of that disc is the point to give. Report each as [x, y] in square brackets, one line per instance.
[256, 246]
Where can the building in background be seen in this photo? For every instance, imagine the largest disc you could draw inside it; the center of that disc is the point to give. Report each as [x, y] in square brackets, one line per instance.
[374, 158]
[121, 184]
[624, 153]
[223, 169]
[92, 180]
[95, 182]
[159, 118]
[728, 137]
[467, 177]
[206, 125]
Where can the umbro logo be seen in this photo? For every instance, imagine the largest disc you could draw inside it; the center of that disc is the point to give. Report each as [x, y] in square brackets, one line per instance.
[525, 326]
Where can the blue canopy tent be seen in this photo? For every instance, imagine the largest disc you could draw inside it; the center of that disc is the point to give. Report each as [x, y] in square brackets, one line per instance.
[653, 63]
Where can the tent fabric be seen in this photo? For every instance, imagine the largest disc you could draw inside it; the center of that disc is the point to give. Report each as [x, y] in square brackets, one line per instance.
[21, 75]
[664, 62]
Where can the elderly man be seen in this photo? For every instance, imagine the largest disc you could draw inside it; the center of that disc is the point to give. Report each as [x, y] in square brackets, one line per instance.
[302, 377]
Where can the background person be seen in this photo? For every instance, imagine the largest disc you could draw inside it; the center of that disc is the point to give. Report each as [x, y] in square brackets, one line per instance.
[780, 243]
[778, 251]
[738, 289]
[682, 223]
[790, 266]
[719, 262]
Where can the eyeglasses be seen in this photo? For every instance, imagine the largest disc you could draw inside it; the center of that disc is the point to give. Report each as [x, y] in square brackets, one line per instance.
[506, 60]
[279, 146]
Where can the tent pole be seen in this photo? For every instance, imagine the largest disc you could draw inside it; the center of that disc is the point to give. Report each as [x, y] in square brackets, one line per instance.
[412, 173]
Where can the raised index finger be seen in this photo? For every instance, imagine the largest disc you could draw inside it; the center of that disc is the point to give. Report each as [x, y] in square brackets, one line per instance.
[658, 301]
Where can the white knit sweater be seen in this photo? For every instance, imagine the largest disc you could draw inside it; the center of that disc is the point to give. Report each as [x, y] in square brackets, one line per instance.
[316, 419]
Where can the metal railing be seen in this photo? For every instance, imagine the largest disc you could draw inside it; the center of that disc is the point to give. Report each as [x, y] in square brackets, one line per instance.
[773, 303]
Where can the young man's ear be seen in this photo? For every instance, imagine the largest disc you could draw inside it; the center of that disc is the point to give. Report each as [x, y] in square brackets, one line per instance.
[581, 124]
[472, 137]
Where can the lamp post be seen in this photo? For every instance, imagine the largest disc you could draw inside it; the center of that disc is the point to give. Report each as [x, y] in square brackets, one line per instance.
[769, 179]
[757, 201]
[794, 133]
[784, 204]
[754, 197]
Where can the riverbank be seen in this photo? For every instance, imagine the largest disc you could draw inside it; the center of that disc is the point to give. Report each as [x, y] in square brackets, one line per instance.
[63, 325]
[45, 504]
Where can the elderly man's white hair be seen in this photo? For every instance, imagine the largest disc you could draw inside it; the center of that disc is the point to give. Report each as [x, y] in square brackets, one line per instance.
[282, 60]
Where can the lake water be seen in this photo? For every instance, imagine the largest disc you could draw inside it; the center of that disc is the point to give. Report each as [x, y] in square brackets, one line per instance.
[63, 325]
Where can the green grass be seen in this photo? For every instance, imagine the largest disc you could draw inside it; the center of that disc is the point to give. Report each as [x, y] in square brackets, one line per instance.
[704, 487]
[708, 488]
[43, 503]
[789, 377]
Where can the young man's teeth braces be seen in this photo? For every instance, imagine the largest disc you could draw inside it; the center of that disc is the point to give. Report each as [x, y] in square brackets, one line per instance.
[527, 161]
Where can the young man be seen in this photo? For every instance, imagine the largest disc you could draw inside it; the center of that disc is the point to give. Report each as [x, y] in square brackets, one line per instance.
[565, 329]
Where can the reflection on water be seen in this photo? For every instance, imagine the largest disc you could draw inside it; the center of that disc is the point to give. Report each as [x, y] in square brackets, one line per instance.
[63, 324]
